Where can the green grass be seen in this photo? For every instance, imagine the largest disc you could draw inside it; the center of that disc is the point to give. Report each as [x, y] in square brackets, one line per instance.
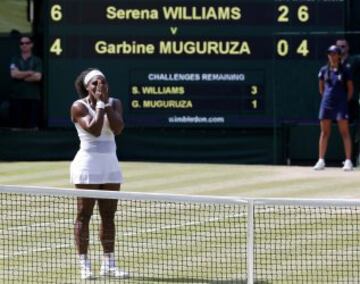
[201, 179]
[187, 248]
[183, 246]
[13, 16]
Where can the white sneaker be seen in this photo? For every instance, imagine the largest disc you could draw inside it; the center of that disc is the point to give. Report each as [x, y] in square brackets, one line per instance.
[320, 165]
[85, 269]
[348, 166]
[108, 267]
[113, 271]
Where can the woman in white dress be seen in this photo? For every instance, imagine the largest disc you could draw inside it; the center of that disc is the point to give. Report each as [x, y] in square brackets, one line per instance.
[97, 118]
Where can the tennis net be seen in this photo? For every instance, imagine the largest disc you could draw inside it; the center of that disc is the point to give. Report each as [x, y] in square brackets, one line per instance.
[181, 239]
[160, 238]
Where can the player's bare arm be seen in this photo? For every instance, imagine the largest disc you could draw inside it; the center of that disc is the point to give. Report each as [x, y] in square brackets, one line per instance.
[350, 89]
[91, 124]
[114, 113]
[321, 87]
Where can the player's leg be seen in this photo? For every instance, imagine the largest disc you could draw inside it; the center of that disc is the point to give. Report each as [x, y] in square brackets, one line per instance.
[325, 128]
[85, 208]
[345, 134]
[107, 208]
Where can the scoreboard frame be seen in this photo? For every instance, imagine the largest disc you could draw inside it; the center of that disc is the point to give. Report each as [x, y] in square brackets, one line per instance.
[237, 63]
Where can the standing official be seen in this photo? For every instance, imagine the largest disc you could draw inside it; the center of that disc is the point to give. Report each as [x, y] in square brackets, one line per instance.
[26, 72]
[353, 63]
[336, 89]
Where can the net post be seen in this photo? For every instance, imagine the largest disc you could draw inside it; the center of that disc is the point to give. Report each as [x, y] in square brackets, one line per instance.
[250, 242]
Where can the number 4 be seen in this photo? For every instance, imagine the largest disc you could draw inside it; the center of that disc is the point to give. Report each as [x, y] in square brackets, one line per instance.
[303, 48]
[56, 47]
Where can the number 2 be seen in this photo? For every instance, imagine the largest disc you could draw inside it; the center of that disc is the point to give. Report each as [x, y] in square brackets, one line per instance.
[302, 14]
[284, 12]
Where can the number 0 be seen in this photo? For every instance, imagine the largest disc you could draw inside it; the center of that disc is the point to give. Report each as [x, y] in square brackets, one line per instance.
[56, 47]
[282, 47]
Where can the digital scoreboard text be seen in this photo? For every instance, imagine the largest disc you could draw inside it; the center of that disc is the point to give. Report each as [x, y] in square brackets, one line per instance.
[244, 63]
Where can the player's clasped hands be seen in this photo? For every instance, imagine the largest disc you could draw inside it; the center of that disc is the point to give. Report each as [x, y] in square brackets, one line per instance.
[101, 92]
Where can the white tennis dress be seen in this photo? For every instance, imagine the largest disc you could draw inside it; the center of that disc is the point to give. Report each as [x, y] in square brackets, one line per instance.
[96, 161]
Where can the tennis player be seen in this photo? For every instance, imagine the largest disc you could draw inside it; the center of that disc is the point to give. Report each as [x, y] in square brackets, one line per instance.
[336, 89]
[97, 118]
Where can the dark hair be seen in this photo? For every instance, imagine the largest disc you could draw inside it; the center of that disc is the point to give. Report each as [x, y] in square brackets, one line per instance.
[15, 34]
[79, 83]
[30, 37]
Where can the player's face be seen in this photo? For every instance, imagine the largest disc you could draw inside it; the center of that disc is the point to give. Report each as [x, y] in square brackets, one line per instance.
[333, 57]
[343, 45]
[95, 83]
[25, 44]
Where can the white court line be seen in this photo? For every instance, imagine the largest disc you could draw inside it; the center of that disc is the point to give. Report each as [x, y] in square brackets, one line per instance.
[54, 247]
[65, 246]
[25, 228]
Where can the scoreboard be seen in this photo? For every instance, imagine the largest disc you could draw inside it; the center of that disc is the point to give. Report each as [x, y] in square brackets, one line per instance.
[182, 63]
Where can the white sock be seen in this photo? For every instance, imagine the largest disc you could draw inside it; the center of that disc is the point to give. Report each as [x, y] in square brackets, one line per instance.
[109, 259]
[83, 257]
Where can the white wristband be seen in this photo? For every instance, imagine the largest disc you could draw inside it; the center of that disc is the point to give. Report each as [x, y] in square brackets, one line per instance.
[100, 104]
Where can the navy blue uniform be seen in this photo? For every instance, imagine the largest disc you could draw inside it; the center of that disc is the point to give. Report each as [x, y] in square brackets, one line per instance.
[334, 102]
